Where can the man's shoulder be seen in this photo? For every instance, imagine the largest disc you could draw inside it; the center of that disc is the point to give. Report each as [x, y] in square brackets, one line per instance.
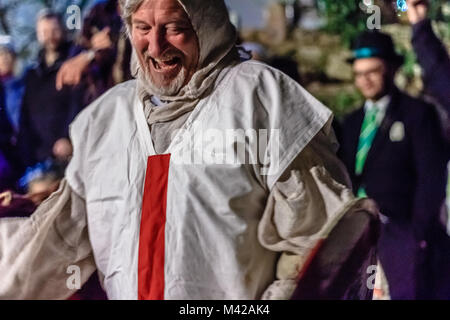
[125, 89]
[124, 92]
[413, 107]
[257, 77]
[271, 89]
[119, 98]
[257, 71]
[253, 65]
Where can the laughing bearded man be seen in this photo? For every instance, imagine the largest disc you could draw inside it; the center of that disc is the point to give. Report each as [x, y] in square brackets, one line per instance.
[157, 224]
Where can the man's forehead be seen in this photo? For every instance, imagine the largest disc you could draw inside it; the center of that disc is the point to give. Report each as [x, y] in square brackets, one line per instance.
[172, 7]
[46, 24]
[368, 63]
[47, 21]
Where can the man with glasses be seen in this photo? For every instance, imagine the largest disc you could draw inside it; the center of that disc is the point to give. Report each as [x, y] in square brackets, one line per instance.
[392, 148]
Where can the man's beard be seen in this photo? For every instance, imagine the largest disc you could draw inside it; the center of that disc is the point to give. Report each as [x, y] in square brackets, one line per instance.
[174, 86]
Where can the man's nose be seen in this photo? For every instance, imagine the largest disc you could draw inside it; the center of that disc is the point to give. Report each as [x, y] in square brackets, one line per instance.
[157, 43]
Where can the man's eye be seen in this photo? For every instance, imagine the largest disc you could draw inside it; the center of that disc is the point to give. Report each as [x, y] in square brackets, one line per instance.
[173, 30]
[142, 28]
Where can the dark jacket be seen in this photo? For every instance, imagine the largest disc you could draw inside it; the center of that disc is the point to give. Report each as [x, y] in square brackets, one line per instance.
[6, 133]
[6, 129]
[407, 178]
[435, 62]
[8, 155]
[13, 92]
[46, 112]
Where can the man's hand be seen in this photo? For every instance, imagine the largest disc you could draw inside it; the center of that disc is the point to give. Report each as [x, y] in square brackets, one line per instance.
[39, 191]
[72, 70]
[62, 149]
[417, 10]
[101, 40]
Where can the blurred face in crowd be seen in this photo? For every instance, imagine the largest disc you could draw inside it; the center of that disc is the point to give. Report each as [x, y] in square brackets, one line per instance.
[7, 60]
[49, 33]
[372, 77]
[166, 44]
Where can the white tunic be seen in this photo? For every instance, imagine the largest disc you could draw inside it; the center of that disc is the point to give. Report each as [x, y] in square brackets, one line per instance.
[209, 237]
[213, 210]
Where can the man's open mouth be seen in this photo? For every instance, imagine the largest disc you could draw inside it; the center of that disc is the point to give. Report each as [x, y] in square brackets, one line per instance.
[165, 65]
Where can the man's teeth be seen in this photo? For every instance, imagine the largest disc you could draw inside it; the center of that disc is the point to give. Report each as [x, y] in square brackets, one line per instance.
[165, 63]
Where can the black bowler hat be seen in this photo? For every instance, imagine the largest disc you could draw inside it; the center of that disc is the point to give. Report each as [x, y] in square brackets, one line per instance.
[375, 44]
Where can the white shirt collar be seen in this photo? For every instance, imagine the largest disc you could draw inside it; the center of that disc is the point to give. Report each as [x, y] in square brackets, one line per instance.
[381, 104]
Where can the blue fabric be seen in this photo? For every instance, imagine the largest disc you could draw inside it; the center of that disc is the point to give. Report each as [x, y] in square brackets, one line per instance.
[5, 172]
[366, 53]
[14, 89]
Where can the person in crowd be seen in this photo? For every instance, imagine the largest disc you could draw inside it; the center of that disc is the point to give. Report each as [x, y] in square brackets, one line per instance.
[101, 57]
[6, 148]
[435, 62]
[393, 148]
[12, 91]
[159, 224]
[13, 85]
[431, 54]
[46, 112]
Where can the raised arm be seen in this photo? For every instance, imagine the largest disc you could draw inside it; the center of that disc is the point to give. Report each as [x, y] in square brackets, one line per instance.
[431, 53]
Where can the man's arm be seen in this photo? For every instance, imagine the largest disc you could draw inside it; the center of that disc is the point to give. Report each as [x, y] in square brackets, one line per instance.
[303, 207]
[431, 53]
[100, 51]
[48, 255]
